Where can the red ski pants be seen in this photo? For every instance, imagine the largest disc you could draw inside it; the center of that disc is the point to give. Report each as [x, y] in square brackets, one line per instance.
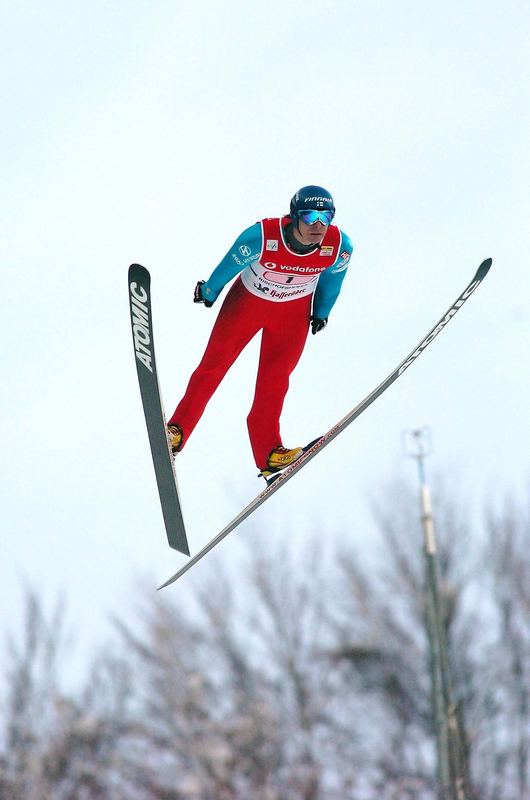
[242, 315]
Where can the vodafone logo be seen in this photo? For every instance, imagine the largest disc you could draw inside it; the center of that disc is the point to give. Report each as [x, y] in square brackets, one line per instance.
[294, 268]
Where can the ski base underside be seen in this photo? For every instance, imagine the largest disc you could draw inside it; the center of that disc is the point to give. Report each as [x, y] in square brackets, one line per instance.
[319, 445]
[143, 340]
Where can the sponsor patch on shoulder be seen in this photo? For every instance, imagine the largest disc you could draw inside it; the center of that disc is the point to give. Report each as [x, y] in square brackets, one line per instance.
[342, 261]
[327, 250]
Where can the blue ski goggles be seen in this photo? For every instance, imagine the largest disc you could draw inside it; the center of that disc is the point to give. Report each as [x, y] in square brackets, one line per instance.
[313, 215]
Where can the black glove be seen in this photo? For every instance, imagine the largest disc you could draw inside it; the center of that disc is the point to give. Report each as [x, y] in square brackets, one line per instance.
[318, 324]
[197, 295]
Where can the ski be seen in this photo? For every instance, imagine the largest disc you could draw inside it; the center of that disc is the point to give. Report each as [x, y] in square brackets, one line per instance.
[319, 445]
[144, 351]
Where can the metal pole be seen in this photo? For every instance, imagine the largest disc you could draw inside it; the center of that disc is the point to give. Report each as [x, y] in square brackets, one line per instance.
[449, 752]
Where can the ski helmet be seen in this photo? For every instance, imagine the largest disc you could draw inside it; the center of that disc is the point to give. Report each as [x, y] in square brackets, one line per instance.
[310, 198]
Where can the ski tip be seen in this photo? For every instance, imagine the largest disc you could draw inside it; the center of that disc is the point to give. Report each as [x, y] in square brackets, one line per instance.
[138, 271]
[483, 269]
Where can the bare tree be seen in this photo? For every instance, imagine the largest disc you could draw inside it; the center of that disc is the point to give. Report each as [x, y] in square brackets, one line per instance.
[56, 745]
[485, 601]
[306, 678]
[502, 732]
[251, 714]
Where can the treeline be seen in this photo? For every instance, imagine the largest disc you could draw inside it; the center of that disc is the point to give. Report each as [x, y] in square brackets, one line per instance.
[306, 678]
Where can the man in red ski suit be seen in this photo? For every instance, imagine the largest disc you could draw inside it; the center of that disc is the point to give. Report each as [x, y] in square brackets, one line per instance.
[290, 272]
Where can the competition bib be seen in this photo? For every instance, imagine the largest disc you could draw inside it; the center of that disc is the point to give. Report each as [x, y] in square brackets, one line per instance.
[280, 274]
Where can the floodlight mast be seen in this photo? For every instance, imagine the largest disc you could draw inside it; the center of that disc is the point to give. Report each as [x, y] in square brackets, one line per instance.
[451, 772]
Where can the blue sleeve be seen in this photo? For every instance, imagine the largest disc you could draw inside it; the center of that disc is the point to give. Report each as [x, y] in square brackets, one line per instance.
[245, 250]
[330, 282]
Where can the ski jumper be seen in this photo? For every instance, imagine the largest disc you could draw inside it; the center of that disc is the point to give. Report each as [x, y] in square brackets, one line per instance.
[274, 294]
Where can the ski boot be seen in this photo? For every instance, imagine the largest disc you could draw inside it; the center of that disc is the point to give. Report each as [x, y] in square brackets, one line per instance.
[278, 459]
[174, 437]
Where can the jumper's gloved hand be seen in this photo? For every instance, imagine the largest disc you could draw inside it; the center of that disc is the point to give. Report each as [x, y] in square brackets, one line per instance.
[198, 297]
[318, 324]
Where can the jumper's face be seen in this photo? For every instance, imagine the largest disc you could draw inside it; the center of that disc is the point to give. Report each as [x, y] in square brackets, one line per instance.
[313, 224]
[311, 234]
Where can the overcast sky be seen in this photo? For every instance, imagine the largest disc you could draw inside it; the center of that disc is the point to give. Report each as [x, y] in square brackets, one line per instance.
[155, 132]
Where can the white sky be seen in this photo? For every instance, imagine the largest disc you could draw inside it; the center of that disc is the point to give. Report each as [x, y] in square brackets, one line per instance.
[157, 131]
